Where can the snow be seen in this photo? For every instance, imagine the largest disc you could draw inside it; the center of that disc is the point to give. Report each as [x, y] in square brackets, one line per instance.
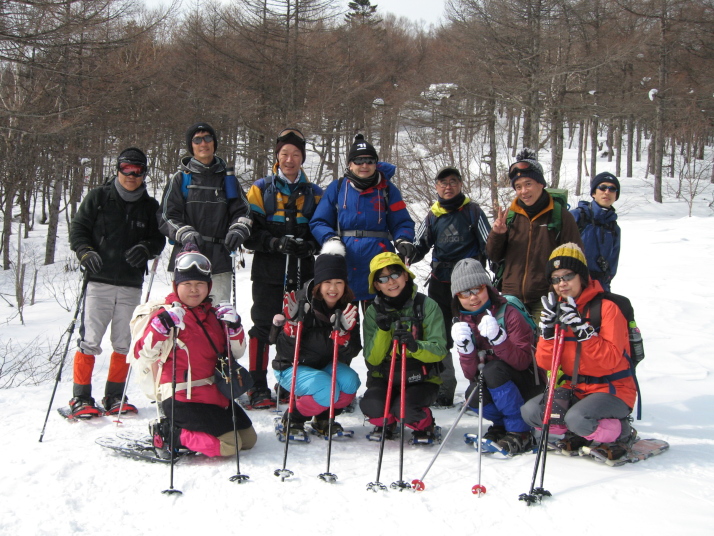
[68, 485]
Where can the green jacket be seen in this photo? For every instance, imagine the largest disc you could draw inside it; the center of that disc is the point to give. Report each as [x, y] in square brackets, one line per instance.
[432, 343]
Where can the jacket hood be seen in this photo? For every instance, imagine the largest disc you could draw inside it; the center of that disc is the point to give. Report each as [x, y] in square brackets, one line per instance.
[190, 165]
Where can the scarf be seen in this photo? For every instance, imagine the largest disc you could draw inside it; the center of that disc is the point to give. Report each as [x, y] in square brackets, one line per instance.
[363, 184]
[452, 204]
[130, 196]
[398, 302]
[536, 207]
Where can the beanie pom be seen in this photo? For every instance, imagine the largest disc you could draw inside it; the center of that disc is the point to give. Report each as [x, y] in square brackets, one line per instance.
[333, 247]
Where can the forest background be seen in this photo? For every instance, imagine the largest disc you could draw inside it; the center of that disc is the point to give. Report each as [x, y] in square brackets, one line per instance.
[82, 79]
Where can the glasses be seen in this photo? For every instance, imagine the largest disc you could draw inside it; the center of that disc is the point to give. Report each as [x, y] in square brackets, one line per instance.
[518, 167]
[605, 188]
[286, 133]
[385, 278]
[197, 140]
[445, 184]
[364, 160]
[472, 291]
[567, 277]
[186, 261]
[132, 170]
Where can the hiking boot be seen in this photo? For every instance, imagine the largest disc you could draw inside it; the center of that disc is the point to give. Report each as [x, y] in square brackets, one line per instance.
[572, 442]
[517, 442]
[444, 400]
[391, 433]
[615, 450]
[160, 431]
[297, 425]
[83, 407]
[112, 404]
[495, 433]
[260, 398]
[427, 436]
[282, 395]
[322, 427]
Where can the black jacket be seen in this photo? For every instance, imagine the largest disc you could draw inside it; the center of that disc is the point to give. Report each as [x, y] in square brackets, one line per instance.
[109, 225]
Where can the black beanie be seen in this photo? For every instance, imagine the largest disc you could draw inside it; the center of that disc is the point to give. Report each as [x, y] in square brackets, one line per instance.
[290, 138]
[330, 263]
[605, 177]
[360, 147]
[201, 126]
[132, 155]
[533, 171]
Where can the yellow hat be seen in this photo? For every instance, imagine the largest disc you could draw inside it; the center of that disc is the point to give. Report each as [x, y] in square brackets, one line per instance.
[382, 261]
[568, 256]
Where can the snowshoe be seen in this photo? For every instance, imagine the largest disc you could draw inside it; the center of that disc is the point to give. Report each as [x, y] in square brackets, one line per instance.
[426, 437]
[376, 433]
[487, 446]
[81, 408]
[260, 398]
[139, 449]
[297, 431]
[495, 433]
[113, 404]
[516, 443]
[321, 428]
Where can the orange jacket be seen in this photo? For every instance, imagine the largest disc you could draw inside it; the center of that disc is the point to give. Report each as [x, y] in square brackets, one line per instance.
[601, 355]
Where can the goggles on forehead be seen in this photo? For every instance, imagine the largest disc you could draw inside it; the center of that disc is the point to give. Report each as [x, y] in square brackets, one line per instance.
[520, 167]
[288, 133]
[186, 261]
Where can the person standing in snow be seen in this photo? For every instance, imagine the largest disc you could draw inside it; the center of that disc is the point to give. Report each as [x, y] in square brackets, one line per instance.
[365, 211]
[508, 375]
[114, 234]
[281, 204]
[456, 228]
[604, 393]
[597, 221]
[203, 417]
[322, 297]
[210, 211]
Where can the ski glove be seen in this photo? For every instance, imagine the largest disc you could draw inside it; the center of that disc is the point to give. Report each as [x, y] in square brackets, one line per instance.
[285, 245]
[548, 316]
[405, 336]
[348, 318]
[237, 234]
[137, 255]
[90, 260]
[462, 337]
[384, 321]
[189, 235]
[304, 249]
[570, 316]
[169, 318]
[489, 328]
[405, 249]
[226, 313]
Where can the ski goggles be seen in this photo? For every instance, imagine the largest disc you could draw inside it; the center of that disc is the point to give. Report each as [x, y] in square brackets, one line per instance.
[370, 161]
[285, 134]
[520, 167]
[384, 279]
[186, 261]
[132, 170]
[197, 140]
[606, 188]
[567, 277]
[472, 291]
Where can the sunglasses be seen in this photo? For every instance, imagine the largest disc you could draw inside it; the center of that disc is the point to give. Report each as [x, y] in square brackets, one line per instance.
[198, 139]
[186, 261]
[385, 278]
[364, 160]
[605, 188]
[132, 170]
[567, 277]
[472, 291]
[519, 167]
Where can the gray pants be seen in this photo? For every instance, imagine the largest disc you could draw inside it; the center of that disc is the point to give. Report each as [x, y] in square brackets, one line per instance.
[583, 416]
[103, 304]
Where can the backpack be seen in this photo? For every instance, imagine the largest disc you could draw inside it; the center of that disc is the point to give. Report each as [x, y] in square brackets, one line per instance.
[230, 184]
[518, 304]
[585, 219]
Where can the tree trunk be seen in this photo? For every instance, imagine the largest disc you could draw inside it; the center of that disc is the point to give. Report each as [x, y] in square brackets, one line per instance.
[53, 223]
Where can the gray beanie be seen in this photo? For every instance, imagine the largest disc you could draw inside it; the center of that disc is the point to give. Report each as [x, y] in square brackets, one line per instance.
[468, 273]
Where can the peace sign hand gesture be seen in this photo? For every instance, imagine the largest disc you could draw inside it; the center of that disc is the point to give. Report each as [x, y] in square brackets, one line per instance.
[499, 225]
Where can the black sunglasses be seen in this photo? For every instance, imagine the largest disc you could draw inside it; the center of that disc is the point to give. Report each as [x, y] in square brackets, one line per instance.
[364, 160]
[567, 277]
[198, 139]
[606, 188]
[385, 278]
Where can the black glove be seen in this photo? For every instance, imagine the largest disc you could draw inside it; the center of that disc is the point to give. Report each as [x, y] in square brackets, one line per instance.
[189, 235]
[304, 249]
[384, 321]
[405, 249]
[137, 255]
[237, 234]
[90, 260]
[405, 337]
[285, 245]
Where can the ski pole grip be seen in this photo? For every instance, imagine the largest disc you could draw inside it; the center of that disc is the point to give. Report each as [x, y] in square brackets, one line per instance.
[338, 317]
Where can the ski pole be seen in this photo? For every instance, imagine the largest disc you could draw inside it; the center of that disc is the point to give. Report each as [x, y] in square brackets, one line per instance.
[327, 476]
[418, 483]
[536, 494]
[478, 489]
[401, 483]
[70, 331]
[118, 420]
[238, 477]
[287, 268]
[286, 473]
[377, 485]
[172, 490]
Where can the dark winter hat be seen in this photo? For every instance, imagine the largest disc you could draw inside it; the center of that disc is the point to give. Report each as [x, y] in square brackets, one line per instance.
[191, 265]
[360, 147]
[605, 177]
[290, 136]
[569, 256]
[468, 273]
[198, 127]
[330, 263]
[526, 165]
[132, 155]
[448, 172]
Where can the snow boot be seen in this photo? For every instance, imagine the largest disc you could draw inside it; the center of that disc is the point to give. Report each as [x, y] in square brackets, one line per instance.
[495, 433]
[160, 431]
[112, 404]
[83, 407]
[296, 431]
[615, 450]
[322, 427]
[516, 442]
[392, 432]
[260, 398]
[572, 442]
[427, 436]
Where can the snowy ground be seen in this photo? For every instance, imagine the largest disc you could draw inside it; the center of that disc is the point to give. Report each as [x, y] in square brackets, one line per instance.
[68, 485]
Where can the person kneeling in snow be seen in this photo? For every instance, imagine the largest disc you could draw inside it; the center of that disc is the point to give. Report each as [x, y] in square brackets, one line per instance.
[203, 417]
[320, 298]
[508, 375]
[604, 393]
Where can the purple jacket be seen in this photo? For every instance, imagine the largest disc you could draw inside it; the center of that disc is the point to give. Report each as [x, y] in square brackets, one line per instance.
[516, 350]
